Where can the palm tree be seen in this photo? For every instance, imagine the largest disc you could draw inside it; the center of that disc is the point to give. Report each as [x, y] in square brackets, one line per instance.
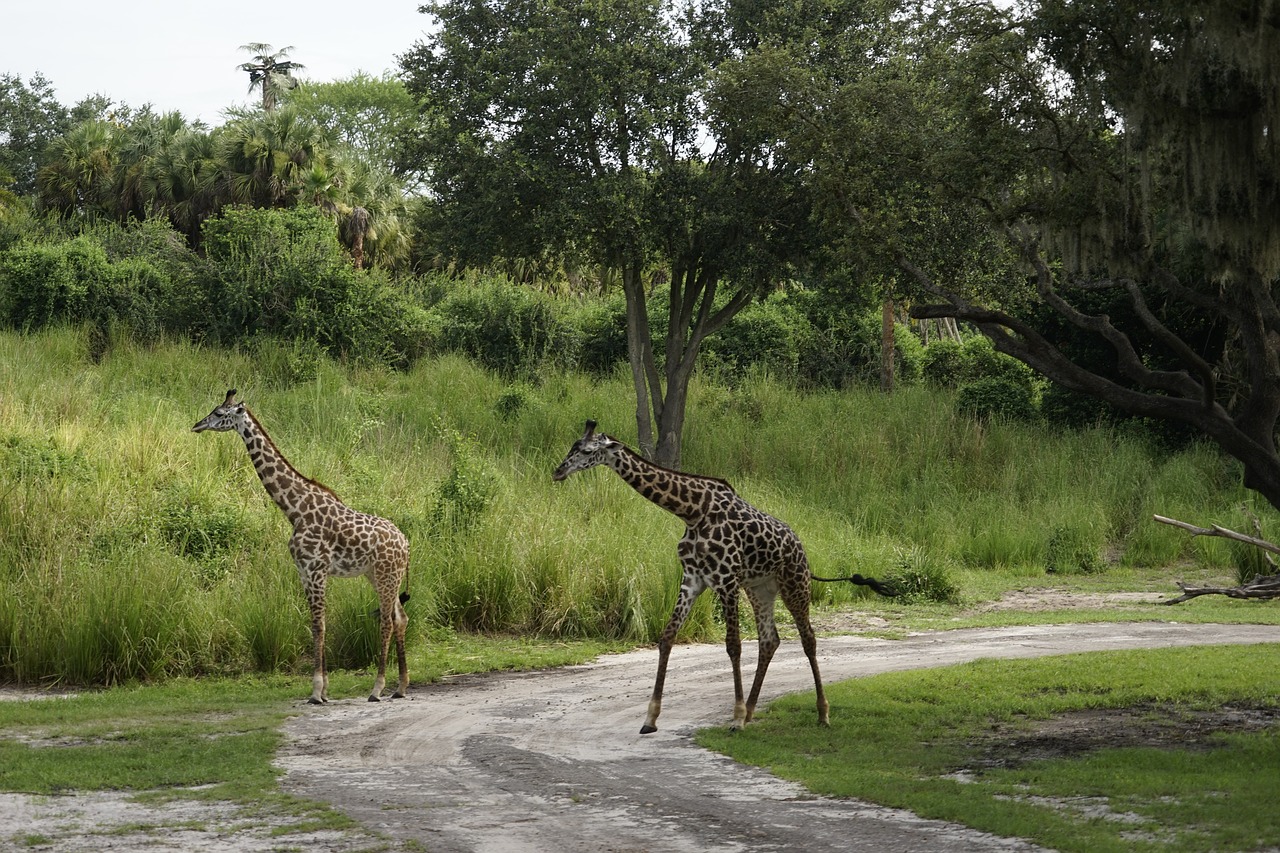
[268, 156]
[77, 177]
[271, 71]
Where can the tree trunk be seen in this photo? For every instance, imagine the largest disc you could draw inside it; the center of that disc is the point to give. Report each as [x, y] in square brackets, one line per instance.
[639, 356]
[886, 345]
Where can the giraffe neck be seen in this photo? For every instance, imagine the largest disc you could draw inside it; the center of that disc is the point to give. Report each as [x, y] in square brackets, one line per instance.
[683, 495]
[291, 491]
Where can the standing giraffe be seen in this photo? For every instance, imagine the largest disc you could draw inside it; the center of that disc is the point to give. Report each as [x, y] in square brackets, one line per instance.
[329, 540]
[727, 545]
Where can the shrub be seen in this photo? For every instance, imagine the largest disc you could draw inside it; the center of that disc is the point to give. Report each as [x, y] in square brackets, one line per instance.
[768, 335]
[1072, 550]
[996, 397]
[602, 332]
[918, 577]
[846, 349]
[945, 363]
[283, 272]
[505, 327]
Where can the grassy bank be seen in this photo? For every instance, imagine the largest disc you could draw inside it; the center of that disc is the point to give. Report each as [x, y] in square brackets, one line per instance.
[132, 549]
[1172, 749]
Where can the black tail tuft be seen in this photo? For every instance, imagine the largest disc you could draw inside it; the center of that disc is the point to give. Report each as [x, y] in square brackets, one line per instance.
[885, 589]
[404, 596]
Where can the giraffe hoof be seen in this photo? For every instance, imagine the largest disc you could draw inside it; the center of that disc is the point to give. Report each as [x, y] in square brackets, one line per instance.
[375, 698]
[399, 694]
[314, 701]
[648, 730]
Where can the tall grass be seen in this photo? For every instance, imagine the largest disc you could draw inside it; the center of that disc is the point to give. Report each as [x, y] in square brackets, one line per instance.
[131, 548]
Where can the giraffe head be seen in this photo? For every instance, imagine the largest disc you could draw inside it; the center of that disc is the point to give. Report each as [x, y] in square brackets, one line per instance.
[225, 417]
[587, 452]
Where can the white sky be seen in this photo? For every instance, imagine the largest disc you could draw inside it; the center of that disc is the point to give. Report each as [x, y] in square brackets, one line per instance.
[184, 56]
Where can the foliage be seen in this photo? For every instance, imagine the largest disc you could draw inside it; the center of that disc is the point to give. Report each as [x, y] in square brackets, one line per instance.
[30, 118]
[918, 577]
[950, 744]
[1072, 549]
[282, 272]
[372, 115]
[163, 556]
[505, 327]
[577, 133]
[996, 397]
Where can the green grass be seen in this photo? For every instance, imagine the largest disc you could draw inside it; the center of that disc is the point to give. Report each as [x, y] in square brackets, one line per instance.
[220, 733]
[952, 743]
[158, 555]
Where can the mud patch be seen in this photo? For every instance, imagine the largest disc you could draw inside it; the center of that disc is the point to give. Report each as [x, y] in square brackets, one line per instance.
[1148, 726]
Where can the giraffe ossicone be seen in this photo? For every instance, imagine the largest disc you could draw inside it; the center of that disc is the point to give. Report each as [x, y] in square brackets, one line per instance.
[728, 546]
[330, 539]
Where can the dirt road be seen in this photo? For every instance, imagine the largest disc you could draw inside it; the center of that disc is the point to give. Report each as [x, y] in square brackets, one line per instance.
[552, 761]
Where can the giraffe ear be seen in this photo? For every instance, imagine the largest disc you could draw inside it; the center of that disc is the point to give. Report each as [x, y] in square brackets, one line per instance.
[591, 428]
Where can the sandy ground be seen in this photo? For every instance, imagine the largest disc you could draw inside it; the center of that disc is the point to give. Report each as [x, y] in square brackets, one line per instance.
[553, 761]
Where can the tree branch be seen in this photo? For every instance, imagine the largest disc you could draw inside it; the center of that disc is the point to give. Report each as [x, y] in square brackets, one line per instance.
[1263, 587]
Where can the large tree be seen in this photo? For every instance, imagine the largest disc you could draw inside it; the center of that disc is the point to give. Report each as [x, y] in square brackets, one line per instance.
[30, 118]
[1092, 184]
[1150, 182]
[577, 132]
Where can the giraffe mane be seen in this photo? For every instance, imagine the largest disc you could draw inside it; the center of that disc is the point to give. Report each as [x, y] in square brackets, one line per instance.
[311, 481]
[673, 471]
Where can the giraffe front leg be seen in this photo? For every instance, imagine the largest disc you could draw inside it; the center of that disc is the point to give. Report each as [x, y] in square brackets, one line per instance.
[319, 677]
[313, 586]
[690, 589]
[762, 596]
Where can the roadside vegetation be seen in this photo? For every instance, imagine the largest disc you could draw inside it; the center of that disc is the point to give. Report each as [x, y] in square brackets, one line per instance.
[162, 556]
[1171, 749]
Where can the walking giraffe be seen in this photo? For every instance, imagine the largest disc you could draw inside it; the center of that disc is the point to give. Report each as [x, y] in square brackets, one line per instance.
[727, 545]
[329, 540]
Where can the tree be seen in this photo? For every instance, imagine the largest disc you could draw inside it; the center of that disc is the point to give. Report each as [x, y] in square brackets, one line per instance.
[1149, 178]
[270, 71]
[30, 118]
[562, 133]
[373, 115]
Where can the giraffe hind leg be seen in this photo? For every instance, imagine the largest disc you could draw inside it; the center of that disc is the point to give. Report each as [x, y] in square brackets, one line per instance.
[798, 604]
[401, 623]
[733, 646]
[767, 631]
[387, 614]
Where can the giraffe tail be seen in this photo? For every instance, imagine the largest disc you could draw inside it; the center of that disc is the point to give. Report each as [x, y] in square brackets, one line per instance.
[886, 589]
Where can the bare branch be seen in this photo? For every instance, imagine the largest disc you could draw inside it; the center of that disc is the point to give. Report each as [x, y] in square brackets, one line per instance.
[1264, 587]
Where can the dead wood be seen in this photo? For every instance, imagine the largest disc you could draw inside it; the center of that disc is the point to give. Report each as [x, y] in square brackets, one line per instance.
[1262, 587]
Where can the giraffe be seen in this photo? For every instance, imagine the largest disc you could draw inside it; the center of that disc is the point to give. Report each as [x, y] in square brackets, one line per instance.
[329, 540]
[728, 545]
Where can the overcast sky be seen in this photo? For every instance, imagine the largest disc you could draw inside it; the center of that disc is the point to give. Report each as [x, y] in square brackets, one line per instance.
[184, 56]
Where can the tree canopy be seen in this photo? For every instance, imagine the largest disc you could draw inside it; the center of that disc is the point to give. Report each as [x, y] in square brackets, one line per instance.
[580, 134]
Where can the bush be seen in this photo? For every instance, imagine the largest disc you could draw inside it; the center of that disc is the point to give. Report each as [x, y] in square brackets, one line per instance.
[918, 578]
[945, 363]
[996, 397]
[602, 332]
[505, 327]
[284, 273]
[1072, 550]
[769, 335]
[845, 349]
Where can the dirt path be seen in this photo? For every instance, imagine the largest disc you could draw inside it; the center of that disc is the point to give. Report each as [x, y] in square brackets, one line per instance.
[552, 761]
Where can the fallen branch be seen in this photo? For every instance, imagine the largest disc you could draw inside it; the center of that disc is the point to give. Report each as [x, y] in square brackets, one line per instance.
[1263, 587]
